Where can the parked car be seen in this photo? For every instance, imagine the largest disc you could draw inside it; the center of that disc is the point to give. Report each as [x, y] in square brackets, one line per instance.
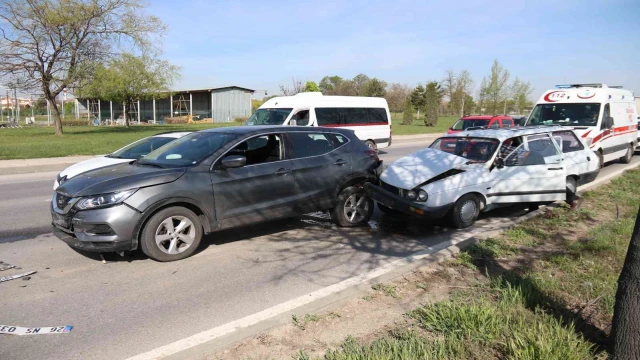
[212, 180]
[465, 173]
[369, 117]
[605, 117]
[481, 121]
[133, 151]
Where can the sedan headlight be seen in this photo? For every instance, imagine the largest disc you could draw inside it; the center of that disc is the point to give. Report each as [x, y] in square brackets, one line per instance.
[422, 196]
[104, 200]
[411, 195]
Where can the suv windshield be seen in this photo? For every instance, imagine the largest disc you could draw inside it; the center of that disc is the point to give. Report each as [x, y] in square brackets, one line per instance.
[465, 124]
[565, 114]
[478, 150]
[188, 150]
[268, 117]
[141, 148]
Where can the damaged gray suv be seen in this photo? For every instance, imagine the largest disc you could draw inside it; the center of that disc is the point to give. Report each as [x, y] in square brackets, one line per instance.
[211, 180]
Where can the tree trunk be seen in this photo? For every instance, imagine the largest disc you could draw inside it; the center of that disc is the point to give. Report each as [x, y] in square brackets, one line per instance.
[462, 108]
[418, 114]
[126, 113]
[57, 121]
[625, 327]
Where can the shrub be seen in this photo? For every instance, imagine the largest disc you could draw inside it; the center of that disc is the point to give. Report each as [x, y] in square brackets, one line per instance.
[240, 119]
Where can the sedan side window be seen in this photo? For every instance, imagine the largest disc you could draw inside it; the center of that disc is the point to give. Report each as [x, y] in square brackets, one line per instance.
[314, 144]
[260, 149]
[541, 150]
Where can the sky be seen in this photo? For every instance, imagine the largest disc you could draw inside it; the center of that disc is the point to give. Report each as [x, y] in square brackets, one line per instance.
[263, 44]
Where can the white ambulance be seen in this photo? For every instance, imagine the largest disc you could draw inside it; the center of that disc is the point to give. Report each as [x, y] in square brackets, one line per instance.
[369, 117]
[604, 116]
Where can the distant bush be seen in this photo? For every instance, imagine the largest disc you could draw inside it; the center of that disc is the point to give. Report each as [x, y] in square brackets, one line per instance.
[240, 119]
[176, 120]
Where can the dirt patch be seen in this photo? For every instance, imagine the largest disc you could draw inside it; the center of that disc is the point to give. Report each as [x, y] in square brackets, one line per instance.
[369, 316]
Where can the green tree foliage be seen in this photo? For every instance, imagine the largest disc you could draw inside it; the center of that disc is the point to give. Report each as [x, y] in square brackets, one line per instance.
[311, 86]
[497, 87]
[375, 88]
[418, 99]
[521, 90]
[255, 104]
[50, 45]
[360, 83]
[130, 78]
[329, 84]
[407, 114]
[432, 103]
[469, 105]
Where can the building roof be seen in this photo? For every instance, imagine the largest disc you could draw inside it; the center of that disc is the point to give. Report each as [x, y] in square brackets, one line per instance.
[212, 89]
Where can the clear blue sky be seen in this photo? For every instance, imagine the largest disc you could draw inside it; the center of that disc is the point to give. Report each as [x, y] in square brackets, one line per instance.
[261, 44]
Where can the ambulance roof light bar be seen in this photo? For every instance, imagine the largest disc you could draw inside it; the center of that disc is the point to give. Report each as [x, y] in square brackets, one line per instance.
[569, 86]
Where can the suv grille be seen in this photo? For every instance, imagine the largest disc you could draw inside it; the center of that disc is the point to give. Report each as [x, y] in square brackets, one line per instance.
[62, 200]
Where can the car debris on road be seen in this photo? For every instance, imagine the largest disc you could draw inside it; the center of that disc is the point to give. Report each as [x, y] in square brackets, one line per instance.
[13, 277]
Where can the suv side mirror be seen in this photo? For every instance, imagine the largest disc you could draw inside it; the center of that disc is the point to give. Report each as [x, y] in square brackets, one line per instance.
[233, 161]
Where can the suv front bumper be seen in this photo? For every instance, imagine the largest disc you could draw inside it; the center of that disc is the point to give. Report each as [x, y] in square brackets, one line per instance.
[101, 230]
[398, 203]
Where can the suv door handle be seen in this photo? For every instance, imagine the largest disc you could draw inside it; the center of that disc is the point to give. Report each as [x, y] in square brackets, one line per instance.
[340, 162]
[283, 171]
[554, 168]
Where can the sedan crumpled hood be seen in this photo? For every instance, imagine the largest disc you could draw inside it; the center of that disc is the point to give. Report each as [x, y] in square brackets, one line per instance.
[118, 178]
[414, 169]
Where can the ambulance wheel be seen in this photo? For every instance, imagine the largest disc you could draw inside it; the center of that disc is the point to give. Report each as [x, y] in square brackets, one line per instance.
[627, 157]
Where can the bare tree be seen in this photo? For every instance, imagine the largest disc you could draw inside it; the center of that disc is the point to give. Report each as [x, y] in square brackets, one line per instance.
[50, 45]
[296, 88]
[449, 85]
[497, 86]
[482, 95]
[396, 96]
[521, 91]
[464, 87]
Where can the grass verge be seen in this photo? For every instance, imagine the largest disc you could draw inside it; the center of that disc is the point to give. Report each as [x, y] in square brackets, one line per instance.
[40, 142]
[544, 289]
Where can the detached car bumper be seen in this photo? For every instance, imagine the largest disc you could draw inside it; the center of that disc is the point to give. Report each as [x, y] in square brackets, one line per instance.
[101, 230]
[398, 203]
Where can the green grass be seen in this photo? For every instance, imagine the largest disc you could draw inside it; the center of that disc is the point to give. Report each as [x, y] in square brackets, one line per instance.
[444, 123]
[388, 290]
[40, 142]
[535, 309]
[301, 323]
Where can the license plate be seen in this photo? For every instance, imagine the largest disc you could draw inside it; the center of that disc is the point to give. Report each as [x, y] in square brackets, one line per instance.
[60, 220]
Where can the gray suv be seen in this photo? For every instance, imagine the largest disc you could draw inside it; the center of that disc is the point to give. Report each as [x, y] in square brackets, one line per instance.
[212, 180]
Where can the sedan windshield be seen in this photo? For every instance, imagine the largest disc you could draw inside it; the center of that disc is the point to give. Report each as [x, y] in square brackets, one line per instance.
[465, 124]
[565, 114]
[141, 148]
[188, 150]
[268, 117]
[477, 150]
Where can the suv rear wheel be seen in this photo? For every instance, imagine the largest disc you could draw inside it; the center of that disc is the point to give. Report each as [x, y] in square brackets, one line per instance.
[353, 207]
[171, 234]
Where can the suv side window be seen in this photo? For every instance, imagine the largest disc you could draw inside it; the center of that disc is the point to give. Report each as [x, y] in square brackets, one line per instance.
[507, 123]
[495, 124]
[570, 142]
[605, 114]
[313, 144]
[260, 149]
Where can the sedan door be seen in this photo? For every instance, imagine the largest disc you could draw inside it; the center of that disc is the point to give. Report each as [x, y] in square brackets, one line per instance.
[532, 172]
[263, 189]
[320, 164]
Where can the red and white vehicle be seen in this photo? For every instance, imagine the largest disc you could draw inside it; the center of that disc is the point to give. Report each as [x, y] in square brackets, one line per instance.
[604, 116]
[369, 117]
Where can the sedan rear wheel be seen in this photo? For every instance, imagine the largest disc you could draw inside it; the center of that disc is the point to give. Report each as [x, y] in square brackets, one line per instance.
[171, 234]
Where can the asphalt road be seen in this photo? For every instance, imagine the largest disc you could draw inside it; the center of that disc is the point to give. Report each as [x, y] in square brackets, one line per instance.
[132, 305]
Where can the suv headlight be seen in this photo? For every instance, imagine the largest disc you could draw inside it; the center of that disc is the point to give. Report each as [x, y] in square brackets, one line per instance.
[104, 200]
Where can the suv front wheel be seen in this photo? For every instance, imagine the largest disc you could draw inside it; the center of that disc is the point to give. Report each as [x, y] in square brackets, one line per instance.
[353, 207]
[171, 234]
